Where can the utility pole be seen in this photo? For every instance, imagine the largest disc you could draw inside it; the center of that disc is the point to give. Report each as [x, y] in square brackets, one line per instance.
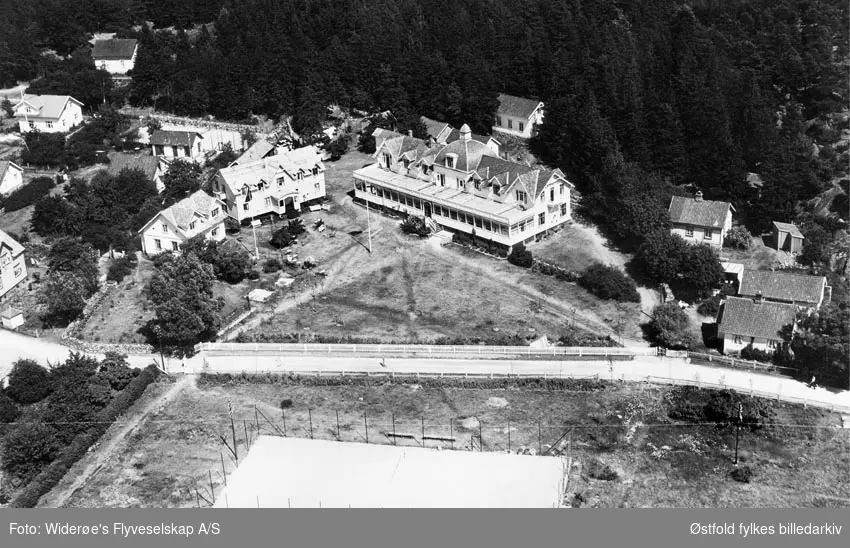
[254, 224]
[738, 429]
[369, 224]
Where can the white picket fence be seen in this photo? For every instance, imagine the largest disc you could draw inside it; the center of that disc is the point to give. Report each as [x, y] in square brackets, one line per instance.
[421, 350]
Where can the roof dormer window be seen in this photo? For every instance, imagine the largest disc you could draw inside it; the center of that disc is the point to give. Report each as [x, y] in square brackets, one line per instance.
[451, 160]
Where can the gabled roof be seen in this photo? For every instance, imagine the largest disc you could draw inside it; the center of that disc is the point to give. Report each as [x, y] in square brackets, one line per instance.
[5, 165]
[706, 213]
[114, 49]
[267, 169]
[789, 228]
[381, 135]
[257, 151]
[747, 318]
[507, 173]
[455, 135]
[48, 106]
[6, 242]
[146, 163]
[783, 286]
[520, 107]
[435, 128]
[181, 214]
[173, 137]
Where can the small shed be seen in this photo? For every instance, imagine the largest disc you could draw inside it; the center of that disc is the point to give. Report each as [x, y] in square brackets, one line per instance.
[12, 318]
[259, 295]
[733, 272]
[787, 237]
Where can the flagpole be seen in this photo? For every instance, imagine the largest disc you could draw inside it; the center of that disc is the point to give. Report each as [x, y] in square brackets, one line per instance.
[738, 429]
[369, 222]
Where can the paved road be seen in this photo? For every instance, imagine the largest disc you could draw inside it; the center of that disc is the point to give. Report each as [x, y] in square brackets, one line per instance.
[660, 369]
[14, 346]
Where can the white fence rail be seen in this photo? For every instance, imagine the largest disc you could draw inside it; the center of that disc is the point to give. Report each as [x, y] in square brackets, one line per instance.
[421, 350]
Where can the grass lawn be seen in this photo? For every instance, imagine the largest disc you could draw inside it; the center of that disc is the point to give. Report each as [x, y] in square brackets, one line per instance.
[760, 256]
[124, 310]
[577, 246]
[660, 462]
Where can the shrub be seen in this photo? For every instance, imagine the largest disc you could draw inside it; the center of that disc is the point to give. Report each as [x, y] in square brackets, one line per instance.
[670, 327]
[253, 275]
[743, 474]
[232, 226]
[595, 469]
[520, 256]
[415, 225]
[338, 147]
[286, 403]
[121, 267]
[296, 227]
[750, 353]
[29, 447]
[28, 382]
[44, 149]
[608, 282]
[28, 194]
[9, 412]
[738, 237]
[281, 238]
[272, 265]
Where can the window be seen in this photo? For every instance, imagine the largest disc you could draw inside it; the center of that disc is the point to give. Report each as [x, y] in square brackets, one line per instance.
[158, 244]
[245, 207]
[487, 225]
[478, 222]
[269, 202]
[315, 171]
[562, 190]
[552, 194]
[708, 234]
[450, 162]
[521, 126]
[453, 214]
[175, 246]
[387, 161]
[510, 124]
[32, 125]
[214, 232]
[281, 203]
[563, 210]
[739, 339]
[50, 125]
[461, 184]
[772, 344]
[192, 225]
[5, 260]
[164, 227]
[498, 120]
[158, 150]
[689, 232]
[299, 176]
[520, 196]
[541, 219]
[441, 179]
[18, 270]
[214, 213]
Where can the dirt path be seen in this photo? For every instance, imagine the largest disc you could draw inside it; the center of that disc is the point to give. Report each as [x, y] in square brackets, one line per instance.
[109, 447]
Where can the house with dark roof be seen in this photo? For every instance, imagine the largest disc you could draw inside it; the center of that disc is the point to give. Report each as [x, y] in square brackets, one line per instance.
[115, 55]
[272, 185]
[13, 268]
[48, 113]
[11, 177]
[437, 130]
[787, 237]
[742, 322]
[171, 144]
[464, 186]
[153, 167]
[197, 214]
[518, 116]
[800, 290]
[700, 221]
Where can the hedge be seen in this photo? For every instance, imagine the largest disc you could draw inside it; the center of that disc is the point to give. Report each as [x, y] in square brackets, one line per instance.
[28, 194]
[288, 379]
[48, 478]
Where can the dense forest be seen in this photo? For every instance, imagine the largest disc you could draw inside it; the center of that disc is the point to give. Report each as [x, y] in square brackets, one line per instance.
[641, 95]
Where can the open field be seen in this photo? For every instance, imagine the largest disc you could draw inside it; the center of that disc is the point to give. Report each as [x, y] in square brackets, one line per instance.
[659, 461]
[577, 246]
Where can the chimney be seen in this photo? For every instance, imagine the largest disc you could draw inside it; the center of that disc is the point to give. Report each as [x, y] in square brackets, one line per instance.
[759, 297]
[698, 196]
[410, 133]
